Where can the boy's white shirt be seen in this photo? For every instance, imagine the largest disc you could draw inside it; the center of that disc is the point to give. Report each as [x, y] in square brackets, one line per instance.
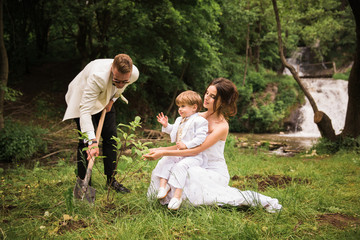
[194, 132]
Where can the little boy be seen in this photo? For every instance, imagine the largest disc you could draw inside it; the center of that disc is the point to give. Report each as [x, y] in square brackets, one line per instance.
[188, 131]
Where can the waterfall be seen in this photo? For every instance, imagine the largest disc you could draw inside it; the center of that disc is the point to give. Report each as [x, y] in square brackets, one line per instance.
[295, 60]
[331, 97]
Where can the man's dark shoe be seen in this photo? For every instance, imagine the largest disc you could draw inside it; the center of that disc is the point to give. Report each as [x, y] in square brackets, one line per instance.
[118, 187]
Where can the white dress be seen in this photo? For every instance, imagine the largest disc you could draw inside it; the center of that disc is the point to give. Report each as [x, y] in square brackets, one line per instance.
[208, 185]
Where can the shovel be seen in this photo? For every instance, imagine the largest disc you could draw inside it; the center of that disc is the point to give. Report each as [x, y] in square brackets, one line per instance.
[82, 188]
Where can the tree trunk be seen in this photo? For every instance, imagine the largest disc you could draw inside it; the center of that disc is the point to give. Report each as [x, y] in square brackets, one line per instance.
[321, 119]
[352, 120]
[103, 17]
[258, 31]
[41, 21]
[176, 91]
[324, 124]
[257, 46]
[4, 67]
[247, 52]
[81, 40]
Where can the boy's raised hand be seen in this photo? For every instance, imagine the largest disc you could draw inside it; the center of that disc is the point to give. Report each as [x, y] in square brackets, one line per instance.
[161, 118]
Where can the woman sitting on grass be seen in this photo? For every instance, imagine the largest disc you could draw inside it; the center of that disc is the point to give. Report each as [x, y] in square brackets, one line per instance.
[208, 185]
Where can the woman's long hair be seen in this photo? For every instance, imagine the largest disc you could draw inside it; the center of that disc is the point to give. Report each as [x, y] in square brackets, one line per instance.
[227, 94]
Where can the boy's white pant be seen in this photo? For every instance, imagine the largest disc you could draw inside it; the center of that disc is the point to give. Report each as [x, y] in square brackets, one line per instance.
[174, 169]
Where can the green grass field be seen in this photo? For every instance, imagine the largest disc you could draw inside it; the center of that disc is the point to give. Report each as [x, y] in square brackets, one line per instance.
[320, 197]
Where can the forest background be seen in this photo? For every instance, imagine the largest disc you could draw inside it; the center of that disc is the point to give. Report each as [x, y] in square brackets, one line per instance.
[177, 45]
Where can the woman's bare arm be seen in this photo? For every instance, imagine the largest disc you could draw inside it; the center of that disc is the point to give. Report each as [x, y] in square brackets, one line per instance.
[173, 147]
[216, 135]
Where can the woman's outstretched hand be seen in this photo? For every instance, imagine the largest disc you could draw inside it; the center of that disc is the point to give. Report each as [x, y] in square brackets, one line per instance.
[153, 155]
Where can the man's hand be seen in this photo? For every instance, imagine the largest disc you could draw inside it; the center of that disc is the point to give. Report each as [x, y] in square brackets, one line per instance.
[109, 106]
[161, 118]
[93, 151]
[180, 145]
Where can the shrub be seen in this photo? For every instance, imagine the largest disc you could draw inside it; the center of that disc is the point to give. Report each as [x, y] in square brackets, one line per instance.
[256, 80]
[325, 146]
[19, 142]
[342, 76]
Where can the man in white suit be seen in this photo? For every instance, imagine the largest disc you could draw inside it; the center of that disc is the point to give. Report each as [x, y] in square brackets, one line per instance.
[96, 87]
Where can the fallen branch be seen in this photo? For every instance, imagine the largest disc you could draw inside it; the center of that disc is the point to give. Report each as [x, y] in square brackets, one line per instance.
[63, 129]
[56, 152]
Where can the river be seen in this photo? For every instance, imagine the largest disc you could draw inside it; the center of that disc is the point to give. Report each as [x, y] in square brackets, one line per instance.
[291, 141]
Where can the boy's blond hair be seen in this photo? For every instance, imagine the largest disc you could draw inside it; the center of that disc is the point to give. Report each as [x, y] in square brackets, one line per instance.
[189, 98]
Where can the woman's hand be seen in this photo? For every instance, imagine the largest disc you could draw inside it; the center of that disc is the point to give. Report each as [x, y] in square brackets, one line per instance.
[154, 155]
[153, 150]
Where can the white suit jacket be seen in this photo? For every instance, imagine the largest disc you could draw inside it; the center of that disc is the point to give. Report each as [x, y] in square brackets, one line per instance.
[194, 131]
[91, 90]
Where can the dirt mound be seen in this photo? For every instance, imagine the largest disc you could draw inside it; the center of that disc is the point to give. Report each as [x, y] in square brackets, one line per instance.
[264, 182]
[66, 226]
[339, 220]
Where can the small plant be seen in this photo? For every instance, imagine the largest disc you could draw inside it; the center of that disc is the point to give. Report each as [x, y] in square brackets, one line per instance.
[68, 195]
[126, 140]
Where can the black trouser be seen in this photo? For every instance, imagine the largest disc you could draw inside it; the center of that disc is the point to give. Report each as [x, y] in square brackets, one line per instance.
[108, 131]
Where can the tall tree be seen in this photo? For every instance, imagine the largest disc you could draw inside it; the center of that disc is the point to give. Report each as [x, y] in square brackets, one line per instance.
[4, 67]
[352, 120]
[40, 15]
[247, 46]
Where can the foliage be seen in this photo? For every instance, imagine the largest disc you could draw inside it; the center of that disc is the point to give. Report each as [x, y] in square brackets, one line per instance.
[177, 49]
[342, 76]
[11, 94]
[347, 144]
[264, 102]
[178, 45]
[20, 142]
[257, 81]
[326, 15]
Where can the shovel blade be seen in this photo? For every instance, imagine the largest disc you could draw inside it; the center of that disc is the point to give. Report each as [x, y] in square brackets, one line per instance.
[81, 191]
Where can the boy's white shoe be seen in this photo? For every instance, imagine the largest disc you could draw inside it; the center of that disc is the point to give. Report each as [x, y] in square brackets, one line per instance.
[163, 192]
[174, 204]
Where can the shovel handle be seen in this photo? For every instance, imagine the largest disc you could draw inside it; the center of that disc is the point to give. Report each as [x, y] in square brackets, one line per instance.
[92, 159]
[100, 125]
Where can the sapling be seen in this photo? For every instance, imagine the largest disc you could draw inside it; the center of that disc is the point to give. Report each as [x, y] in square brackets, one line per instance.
[127, 139]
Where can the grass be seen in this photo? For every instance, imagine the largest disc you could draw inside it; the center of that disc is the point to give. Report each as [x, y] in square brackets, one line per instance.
[37, 202]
